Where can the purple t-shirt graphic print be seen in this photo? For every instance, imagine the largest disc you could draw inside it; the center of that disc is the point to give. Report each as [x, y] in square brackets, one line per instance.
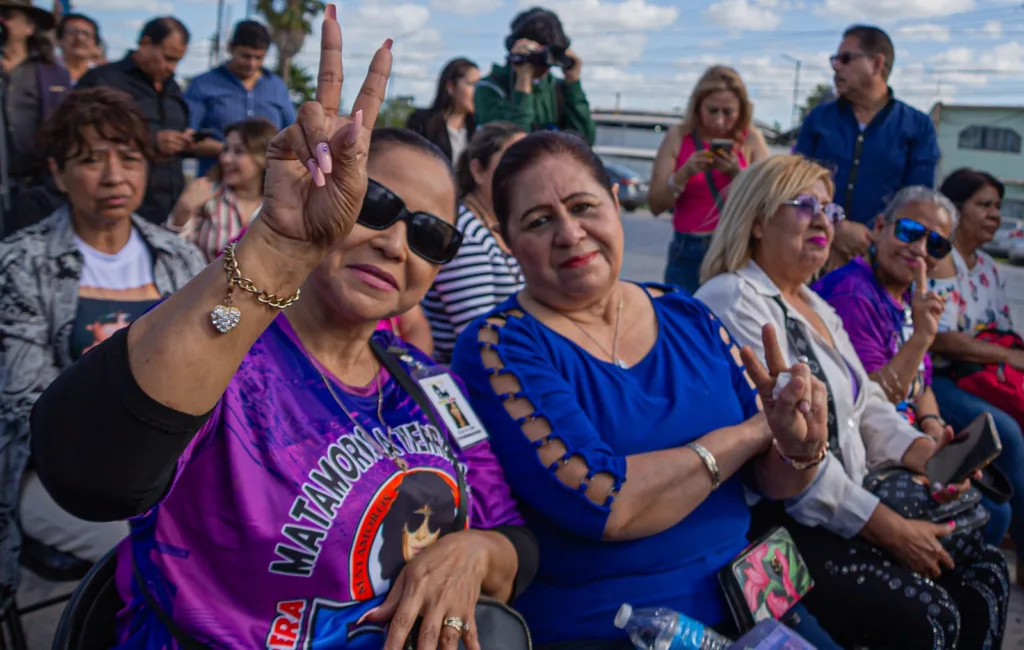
[285, 523]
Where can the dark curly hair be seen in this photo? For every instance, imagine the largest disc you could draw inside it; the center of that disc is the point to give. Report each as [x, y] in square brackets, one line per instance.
[112, 113]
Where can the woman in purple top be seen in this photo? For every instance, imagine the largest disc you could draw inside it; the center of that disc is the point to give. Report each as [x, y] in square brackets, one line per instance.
[885, 304]
[288, 484]
[891, 316]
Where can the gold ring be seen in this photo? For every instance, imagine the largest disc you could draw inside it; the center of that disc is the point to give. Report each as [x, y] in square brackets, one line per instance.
[457, 623]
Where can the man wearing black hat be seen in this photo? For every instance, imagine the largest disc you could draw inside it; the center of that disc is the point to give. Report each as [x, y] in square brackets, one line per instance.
[524, 92]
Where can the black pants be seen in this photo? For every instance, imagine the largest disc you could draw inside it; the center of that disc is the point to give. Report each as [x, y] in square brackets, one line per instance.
[863, 597]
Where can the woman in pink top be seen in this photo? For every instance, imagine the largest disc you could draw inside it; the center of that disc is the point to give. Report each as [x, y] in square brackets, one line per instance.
[696, 162]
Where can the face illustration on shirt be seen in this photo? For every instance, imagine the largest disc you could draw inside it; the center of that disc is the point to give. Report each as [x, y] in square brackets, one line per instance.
[414, 541]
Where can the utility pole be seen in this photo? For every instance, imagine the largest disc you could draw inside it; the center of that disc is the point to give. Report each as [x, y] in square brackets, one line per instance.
[796, 90]
[215, 55]
[618, 102]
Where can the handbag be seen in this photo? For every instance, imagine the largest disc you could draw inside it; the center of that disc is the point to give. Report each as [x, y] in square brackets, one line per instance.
[898, 489]
[498, 626]
[999, 384]
[765, 580]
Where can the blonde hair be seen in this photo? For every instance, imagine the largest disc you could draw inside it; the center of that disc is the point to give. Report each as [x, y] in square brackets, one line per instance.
[757, 193]
[718, 78]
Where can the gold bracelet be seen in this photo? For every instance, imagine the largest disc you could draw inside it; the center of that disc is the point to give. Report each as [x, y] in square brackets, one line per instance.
[225, 317]
[801, 465]
[710, 463]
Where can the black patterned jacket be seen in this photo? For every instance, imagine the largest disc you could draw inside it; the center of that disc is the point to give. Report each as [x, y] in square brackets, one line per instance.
[40, 269]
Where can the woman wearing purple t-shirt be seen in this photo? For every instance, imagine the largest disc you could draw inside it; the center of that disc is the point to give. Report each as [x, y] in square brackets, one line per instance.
[892, 317]
[293, 479]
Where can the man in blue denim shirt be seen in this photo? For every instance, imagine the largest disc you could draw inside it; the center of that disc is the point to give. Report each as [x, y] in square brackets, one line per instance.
[875, 143]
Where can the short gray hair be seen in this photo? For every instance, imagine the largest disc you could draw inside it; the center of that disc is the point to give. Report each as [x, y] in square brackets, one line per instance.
[920, 194]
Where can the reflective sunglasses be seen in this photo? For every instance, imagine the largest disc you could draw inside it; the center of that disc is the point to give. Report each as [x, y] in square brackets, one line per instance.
[808, 207]
[909, 231]
[429, 236]
[846, 57]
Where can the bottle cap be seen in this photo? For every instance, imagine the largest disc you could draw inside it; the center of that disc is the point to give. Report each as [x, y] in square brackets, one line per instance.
[624, 614]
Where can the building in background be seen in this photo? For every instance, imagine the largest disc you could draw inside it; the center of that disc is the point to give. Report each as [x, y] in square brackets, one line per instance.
[987, 138]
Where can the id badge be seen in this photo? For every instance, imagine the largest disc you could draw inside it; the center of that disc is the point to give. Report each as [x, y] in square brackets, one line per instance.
[454, 408]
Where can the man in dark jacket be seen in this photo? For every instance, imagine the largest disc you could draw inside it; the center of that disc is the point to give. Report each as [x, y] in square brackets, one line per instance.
[524, 92]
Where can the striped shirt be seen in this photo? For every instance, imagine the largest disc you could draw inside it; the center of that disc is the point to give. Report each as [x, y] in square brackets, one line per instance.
[481, 276]
[215, 224]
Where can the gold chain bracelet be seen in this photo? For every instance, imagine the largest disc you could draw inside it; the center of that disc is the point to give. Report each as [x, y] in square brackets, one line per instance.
[225, 317]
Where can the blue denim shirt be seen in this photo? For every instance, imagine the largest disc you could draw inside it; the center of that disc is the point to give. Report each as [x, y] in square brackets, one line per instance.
[217, 99]
[900, 148]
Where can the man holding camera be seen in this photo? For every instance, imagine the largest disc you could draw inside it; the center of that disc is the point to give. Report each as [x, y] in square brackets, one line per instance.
[524, 92]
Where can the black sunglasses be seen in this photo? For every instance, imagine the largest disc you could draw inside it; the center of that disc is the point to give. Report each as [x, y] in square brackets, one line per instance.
[909, 231]
[846, 57]
[429, 236]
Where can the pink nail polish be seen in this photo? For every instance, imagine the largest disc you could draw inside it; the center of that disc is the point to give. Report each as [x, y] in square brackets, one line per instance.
[952, 524]
[951, 489]
[331, 12]
[323, 158]
[366, 616]
[314, 171]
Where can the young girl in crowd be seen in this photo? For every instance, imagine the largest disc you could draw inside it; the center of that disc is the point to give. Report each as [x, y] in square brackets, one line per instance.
[216, 208]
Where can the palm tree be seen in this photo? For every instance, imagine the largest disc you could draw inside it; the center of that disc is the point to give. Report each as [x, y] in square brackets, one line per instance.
[301, 84]
[289, 22]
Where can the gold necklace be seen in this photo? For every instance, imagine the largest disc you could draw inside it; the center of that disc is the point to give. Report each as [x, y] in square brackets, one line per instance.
[391, 452]
[614, 354]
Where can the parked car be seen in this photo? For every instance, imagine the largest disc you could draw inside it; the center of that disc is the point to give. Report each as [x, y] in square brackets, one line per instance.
[633, 187]
[1011, 231]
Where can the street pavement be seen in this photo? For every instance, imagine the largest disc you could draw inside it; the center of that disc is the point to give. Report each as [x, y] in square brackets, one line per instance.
[647, 240]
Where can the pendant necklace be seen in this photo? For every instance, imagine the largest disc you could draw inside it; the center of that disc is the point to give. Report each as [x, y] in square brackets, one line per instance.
[614, 354]
[391, 452]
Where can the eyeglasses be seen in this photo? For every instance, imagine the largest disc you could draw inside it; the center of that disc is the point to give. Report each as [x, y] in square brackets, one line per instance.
[846, 57]
[808, 207]
[909, 231]
[429, 236]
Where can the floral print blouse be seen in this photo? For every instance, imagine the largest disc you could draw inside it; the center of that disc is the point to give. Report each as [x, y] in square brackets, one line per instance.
[975, 298]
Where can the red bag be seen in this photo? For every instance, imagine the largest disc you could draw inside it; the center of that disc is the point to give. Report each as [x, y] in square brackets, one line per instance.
[1000, 385]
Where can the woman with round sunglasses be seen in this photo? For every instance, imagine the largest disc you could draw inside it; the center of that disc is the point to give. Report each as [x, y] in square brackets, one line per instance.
[292, 478]
[892, 316]
[881, 580]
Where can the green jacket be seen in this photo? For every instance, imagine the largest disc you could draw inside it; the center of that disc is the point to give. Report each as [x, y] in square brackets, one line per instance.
[497, 100]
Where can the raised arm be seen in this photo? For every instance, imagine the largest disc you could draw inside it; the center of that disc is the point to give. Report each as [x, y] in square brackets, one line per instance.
[661, 197]
[177, 359]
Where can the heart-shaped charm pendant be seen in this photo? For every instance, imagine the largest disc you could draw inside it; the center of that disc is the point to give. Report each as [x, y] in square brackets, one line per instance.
[225, 318]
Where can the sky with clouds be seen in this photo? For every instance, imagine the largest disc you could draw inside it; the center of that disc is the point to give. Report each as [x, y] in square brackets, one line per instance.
[647, 54]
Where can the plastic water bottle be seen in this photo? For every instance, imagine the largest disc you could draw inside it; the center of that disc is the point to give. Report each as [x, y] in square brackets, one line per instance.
[663, 629]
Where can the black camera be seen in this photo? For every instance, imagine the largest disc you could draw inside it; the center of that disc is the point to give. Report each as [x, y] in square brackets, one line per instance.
[544, 28]
[545, 57]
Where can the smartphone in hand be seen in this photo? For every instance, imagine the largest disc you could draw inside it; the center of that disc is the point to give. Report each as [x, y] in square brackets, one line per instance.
[721, 145]
[972, 449]
[203, 134]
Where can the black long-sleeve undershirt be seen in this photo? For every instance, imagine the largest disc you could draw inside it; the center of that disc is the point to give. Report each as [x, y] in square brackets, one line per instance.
[107, 451]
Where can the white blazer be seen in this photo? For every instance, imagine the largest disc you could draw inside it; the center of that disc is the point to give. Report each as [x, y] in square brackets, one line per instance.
[871, 432]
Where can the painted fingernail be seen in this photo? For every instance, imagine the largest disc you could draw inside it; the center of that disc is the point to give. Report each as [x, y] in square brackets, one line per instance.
[388, 42]
[355, 127]
[323, 158]
[936, 494]
[366, 615]
[952, 524]
[951, 489]
[314, 171]
[331, 13]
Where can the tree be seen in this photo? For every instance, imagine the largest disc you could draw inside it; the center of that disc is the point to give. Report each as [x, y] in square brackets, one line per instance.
[821, 93]
[395, 111]
[290, 24]
[301, 85]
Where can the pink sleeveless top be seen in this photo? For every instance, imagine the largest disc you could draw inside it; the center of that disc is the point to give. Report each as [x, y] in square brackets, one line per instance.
[695, 210]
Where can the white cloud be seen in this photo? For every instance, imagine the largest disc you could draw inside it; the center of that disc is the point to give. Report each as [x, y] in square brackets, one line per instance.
[923, 32]
[992, 29]
[744, 14]
[148, 6]
[893, 10]
[466, 7]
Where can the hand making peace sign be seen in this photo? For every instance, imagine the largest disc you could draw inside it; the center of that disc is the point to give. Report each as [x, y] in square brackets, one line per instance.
[798, 415]
[316, 168]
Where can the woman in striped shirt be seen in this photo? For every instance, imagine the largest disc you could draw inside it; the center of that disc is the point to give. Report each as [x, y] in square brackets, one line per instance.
[216, 208]
[484, 273]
